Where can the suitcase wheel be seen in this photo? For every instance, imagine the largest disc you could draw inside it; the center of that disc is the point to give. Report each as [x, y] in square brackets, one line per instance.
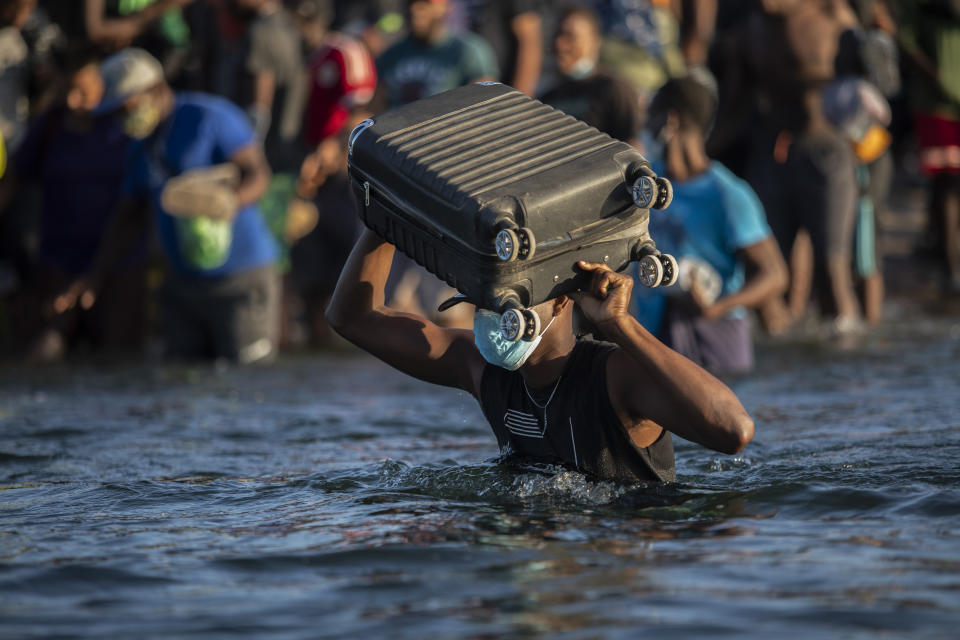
[528, 243]
[664, 194]
[650, 271]
[519, 324]
[507, 245]
[515, 245]
[644, 192]
[671, 271]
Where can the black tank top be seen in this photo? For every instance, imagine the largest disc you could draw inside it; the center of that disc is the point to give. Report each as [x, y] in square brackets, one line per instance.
[574, 424]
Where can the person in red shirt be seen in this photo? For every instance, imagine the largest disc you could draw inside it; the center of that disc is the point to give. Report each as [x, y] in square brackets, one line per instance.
[342, 73]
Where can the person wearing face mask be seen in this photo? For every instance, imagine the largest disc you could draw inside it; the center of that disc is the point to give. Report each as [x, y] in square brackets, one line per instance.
[716, 228]
[607, 409]
[588, 92]
[221, 292]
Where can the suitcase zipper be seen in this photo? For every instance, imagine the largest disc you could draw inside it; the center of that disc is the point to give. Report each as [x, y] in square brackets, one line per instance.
[366, 194]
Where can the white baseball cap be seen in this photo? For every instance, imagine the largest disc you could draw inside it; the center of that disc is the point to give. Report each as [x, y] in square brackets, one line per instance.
[125, 74]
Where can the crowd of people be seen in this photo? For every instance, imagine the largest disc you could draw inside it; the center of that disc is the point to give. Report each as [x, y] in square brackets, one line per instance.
[178, 167]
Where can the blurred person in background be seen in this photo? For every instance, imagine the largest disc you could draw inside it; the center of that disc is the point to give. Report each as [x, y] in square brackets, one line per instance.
[930, 38]
[318, 257]
[642, 42]
[77, 161]
[728, 259]
[587, 92]
[431, 59]
[342, 74]
[14, 69]
[17, 215]
[514, 28]
[271, 85]
[342, 78]
[379, 24]
[856, 103]
[220, 297]
[155, 25]
[800, 165]
[698, 20]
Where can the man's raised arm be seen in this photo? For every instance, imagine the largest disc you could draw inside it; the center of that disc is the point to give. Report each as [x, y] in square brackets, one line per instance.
[653, 384]
[410, 343]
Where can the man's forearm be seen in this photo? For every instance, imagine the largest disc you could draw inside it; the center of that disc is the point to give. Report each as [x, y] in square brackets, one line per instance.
[527, 30]
[753, 294]
[255, 175]
[252, 188]
[687, 400]
[362, 281]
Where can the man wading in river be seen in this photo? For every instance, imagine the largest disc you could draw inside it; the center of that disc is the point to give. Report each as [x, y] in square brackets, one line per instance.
[604, 409]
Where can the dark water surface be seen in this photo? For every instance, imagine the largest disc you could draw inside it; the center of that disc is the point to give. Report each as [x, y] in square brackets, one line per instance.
[331, 497]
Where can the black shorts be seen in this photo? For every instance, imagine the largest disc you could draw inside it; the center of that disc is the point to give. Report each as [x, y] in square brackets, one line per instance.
[235, 317]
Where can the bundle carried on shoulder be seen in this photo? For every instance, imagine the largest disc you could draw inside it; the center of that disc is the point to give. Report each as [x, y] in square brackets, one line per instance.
[500, 195]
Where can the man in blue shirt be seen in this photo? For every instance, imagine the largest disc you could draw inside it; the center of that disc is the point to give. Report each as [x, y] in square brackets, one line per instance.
[220, 299]
[716, 228]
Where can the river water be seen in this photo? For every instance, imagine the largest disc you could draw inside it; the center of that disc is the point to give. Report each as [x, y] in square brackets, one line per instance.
[328, 496]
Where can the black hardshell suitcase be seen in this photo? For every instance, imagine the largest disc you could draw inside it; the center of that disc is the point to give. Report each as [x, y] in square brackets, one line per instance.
[499, 195]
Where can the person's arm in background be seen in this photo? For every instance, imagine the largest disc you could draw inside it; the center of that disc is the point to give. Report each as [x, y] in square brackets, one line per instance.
[527, 29]
[407, 342]
[117, 33]
[262, 62]
[255, 174]
[749, 235]
[767, 277]
[698, 19]
[653, 386]
[236, 140]
[128, 223]
[260, 110]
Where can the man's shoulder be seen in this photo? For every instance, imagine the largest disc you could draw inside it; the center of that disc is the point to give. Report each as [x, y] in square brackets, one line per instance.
[205, 105]
[590, 351]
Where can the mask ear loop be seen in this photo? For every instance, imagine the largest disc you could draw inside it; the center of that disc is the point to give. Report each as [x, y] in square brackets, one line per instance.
[544, 330]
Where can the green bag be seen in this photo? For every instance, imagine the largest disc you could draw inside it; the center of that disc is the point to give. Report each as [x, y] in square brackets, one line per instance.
[204, 242]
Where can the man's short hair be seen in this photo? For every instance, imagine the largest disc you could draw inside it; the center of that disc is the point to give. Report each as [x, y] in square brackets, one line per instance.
[585, 12]
[692, 101]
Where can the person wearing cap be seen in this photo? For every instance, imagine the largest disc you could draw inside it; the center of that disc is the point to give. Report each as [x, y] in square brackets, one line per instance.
[196, 162]
[607, 409]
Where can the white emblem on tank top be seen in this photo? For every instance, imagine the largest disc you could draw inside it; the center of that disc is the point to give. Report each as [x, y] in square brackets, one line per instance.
[527, 425]
[573, 441]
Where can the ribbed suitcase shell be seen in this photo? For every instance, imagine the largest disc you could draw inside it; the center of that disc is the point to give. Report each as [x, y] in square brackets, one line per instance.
[440, 177]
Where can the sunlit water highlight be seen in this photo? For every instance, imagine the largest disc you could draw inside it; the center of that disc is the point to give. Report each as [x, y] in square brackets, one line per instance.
[331, 497]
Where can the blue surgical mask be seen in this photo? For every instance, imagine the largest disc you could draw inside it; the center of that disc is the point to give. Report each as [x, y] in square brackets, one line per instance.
[496, 349]
[582, 68]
